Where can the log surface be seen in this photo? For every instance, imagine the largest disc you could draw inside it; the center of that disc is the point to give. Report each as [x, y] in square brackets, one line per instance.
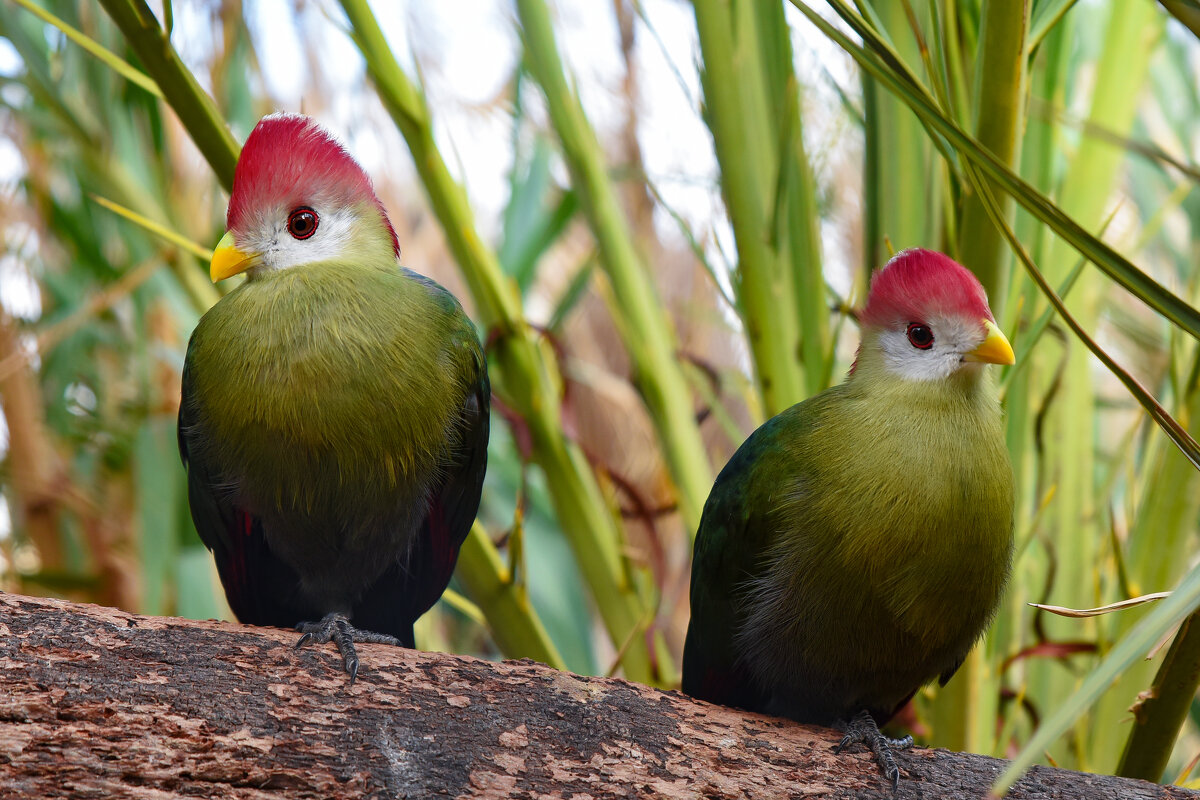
[97, 703]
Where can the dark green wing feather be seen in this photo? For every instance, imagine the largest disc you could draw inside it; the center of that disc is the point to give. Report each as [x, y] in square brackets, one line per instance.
[730, 545]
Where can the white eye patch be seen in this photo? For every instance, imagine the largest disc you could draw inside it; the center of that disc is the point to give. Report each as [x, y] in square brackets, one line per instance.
[953, 337]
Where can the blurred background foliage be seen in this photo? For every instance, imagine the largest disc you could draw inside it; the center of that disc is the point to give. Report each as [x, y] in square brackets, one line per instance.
[661, 215]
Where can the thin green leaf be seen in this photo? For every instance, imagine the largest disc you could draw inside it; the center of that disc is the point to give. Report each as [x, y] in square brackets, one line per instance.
[111, 59]
[161, 231]
[1176, 432]
[1046, 15]
[887, 69]
[1169, 613]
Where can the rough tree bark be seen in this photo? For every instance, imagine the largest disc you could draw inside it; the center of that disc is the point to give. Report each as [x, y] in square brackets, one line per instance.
[95, 702]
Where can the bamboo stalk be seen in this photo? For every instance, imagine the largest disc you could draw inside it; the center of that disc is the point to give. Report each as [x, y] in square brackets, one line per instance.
[110, 59]
[518, 631]
[797, 231]
[194, 107]
[526, 376]
[736, 115]
[649, 337]
[999, 102]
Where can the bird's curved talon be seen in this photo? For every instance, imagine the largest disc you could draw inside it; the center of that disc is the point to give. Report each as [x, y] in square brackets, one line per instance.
[862, 729]
[336, 628]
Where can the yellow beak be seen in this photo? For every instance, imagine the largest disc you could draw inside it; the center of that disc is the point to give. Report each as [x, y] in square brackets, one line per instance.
[228, 261]
[995, 349]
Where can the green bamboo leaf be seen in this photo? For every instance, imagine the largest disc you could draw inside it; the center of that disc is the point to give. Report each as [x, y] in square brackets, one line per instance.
[1169, 613]
[1046, 14]
[108, 57]
[161, 231]
[889, 71]
[1176, 432]
[1186, 11]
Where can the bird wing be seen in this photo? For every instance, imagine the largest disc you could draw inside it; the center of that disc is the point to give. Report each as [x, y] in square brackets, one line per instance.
[730, 546]
[410, 588]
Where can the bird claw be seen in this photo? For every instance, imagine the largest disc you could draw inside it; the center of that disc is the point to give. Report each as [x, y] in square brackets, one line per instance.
[336, 628]
[862, 729]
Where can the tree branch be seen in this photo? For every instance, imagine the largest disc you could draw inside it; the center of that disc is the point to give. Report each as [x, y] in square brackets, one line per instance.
[99, 702]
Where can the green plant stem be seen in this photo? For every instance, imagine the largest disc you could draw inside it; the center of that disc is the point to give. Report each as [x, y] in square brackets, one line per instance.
[736, 115]
[649, 337]
[517, 629]
[1158, 719]
[999, 96]
[525, 375]
[192, 104]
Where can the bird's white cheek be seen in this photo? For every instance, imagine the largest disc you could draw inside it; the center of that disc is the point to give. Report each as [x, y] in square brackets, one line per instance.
[914, 364]
[280, 250]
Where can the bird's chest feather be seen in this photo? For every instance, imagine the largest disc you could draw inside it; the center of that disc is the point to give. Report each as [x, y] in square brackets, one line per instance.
[314, 391]
[929, 529]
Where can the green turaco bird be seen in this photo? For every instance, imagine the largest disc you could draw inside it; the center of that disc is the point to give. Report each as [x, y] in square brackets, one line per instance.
[334, 418]
[856, 545]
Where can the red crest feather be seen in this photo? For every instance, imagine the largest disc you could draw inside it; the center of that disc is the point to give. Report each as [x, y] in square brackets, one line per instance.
[287, 159]
[918, 281]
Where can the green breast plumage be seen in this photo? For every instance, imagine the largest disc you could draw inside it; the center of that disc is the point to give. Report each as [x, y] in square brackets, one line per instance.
[314, 379]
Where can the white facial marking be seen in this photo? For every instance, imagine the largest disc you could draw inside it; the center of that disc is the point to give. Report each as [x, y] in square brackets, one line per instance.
[953, 337]
[278, 249]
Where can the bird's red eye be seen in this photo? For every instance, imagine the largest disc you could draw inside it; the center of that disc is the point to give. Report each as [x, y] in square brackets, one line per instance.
[302, 223]
[920, 336]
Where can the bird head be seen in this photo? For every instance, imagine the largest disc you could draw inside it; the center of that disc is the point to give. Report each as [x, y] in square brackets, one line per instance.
[927, 318]
[298, 197]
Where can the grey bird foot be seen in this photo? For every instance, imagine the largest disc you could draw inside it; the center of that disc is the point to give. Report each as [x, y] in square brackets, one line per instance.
[336, 628]
[863, 730]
